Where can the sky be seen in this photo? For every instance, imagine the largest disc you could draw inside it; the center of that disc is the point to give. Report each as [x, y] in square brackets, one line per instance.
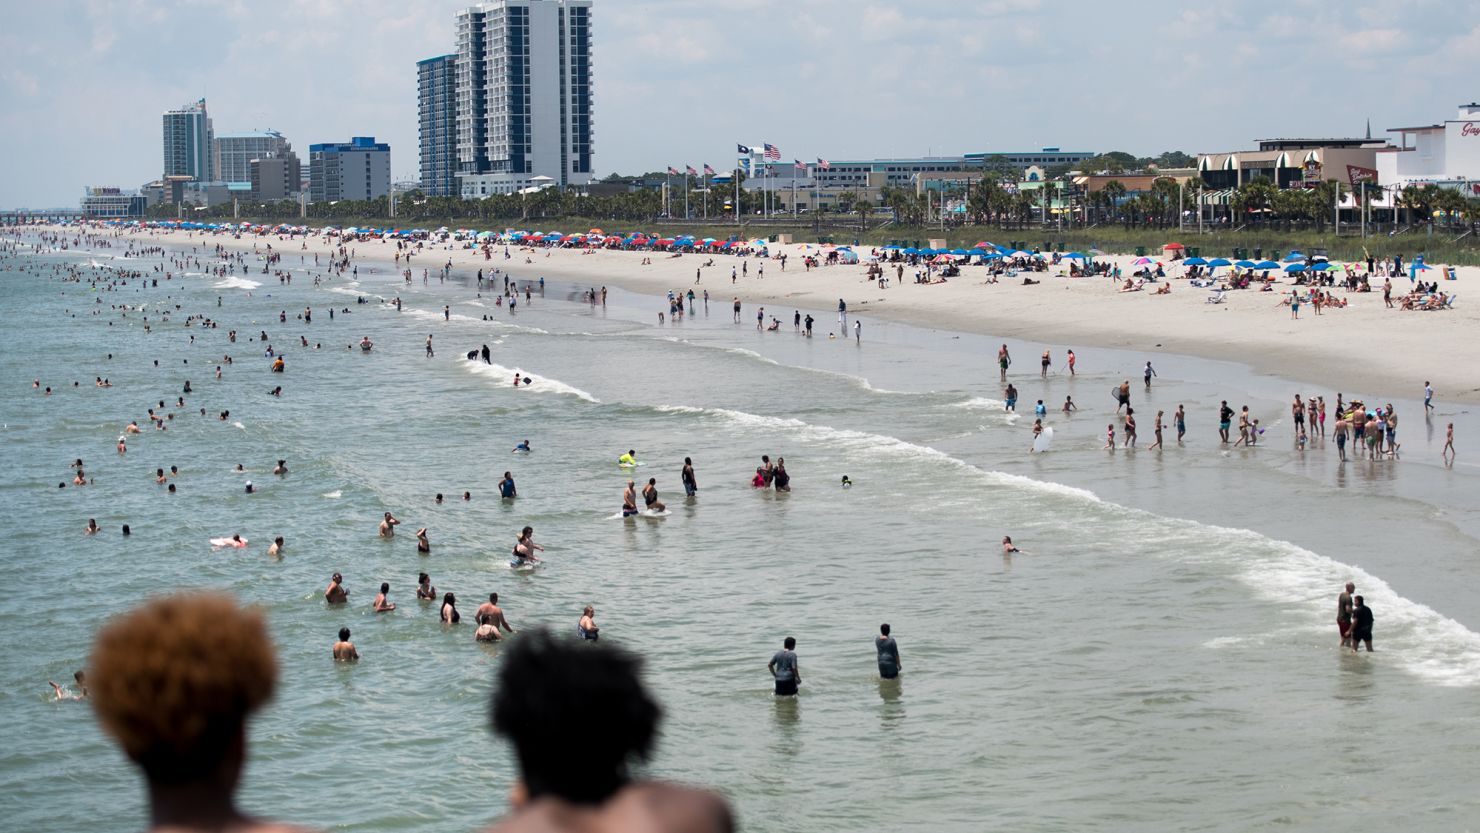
[83, 82]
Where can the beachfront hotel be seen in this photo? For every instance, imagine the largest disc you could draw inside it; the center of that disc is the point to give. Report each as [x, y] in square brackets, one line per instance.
[234, 152]
[523, 88]
[436, 107]
[187, 143]
[359, 169]
[1446, 154]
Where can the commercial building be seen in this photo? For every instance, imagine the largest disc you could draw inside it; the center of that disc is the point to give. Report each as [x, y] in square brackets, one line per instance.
[523, 90]
[107, 202]
[359, 169]
[1289, 163]
[235, 152]
[187, 143]
[274, 177]
[436, 97]
[1445, 154]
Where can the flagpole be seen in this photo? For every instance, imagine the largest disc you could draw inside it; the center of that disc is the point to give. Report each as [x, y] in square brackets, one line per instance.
[686, 193]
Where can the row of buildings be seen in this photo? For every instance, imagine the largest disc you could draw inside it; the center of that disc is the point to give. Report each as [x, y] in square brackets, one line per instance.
[203, 168]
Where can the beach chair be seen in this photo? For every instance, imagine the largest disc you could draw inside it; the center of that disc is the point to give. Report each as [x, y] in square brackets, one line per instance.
[1218, 296]
[1449, 302]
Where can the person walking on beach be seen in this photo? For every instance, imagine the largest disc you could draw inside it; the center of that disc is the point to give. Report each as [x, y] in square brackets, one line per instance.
[1148, 373]
[1071, 362]
[1448, 453]
[1124, 394]
[785, 669]
[1010, 398]
[1243, 428]
[1225, 420]
[1361, 625]
[737, 309]
[1428, 398]
[888, 654]
[1179, 419]
[1003, 361]
[1344, 613]
[1156, 429]
[1130, 427]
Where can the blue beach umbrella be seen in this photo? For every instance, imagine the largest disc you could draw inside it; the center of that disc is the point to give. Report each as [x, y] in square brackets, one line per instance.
[1222, 261]
[1076, 256]
[1195, 261]
[1266, 264]
[1245, 264]
[1320, 267]
[1294, 256]
[1295, 267]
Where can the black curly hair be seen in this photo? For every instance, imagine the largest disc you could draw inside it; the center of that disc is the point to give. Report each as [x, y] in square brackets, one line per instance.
[576, 713]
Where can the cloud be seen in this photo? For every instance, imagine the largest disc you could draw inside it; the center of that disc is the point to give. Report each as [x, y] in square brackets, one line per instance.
[1371, 41]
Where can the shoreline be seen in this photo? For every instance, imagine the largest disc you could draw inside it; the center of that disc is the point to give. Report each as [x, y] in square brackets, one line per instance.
[1385, 352]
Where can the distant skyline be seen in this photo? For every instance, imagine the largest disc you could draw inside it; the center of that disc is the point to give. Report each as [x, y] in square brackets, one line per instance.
[83, 85]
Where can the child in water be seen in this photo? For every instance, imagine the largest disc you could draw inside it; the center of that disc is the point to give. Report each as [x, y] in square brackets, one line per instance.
[847, 484]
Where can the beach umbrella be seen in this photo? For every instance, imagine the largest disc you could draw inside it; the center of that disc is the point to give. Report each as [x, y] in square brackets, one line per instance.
[1141, 261]
[985, 245]
[942, 259]
[960, 252]
[1195, 261]
[1295, 267]
[1174, 246]
[596, 231]
[1266, 264]
[1219, 262]
[1293, 257]
[890, 247]
[912, 251]
[1320, 266]
[1245, 264]
[1076, 256]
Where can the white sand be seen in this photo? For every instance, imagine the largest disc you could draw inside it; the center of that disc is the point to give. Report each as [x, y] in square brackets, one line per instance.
[1364, 348]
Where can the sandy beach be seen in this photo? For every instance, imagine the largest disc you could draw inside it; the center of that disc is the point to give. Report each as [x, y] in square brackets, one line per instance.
[1362, 348]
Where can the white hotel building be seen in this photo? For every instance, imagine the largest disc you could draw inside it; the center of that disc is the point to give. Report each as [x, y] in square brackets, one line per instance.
[523, 95]
[1445, 154]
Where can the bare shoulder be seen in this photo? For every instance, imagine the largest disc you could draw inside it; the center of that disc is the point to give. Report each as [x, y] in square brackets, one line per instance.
[641, 808]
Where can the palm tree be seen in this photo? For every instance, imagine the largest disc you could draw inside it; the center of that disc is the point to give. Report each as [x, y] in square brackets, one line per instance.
[1114, 194]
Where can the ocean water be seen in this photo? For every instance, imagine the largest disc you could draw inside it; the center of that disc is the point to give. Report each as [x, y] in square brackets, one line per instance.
[1162, 656]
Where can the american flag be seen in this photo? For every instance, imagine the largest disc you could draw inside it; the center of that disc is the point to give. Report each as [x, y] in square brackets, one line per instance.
[691, 171]
[799, 164]
[822, 163]
[708, 171]
[772, 152]
[672, 170]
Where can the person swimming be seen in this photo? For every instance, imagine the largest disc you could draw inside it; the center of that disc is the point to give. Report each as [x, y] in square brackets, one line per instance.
[628, 459]
[847, 484]
[1008, 548]
[523, 446]
[524, 548]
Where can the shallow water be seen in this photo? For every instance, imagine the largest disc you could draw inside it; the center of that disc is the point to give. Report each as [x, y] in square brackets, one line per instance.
[1162, 656]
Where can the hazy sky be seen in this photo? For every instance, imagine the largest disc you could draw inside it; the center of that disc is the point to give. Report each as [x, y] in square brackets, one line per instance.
[83, 82]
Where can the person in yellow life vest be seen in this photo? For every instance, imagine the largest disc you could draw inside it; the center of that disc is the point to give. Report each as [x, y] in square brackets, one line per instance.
[628, 459]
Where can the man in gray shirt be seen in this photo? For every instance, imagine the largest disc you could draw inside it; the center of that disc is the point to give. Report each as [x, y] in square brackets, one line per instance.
[784, 668]
[889, 663]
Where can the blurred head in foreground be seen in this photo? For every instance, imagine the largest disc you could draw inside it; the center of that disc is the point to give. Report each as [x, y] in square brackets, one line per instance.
[579, 717]
[174, 682]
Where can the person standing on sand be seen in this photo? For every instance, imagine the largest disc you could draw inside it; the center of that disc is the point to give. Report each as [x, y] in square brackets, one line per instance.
[1344, 613]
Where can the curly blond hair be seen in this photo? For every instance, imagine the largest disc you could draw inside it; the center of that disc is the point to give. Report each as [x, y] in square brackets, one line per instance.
[174, 680]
